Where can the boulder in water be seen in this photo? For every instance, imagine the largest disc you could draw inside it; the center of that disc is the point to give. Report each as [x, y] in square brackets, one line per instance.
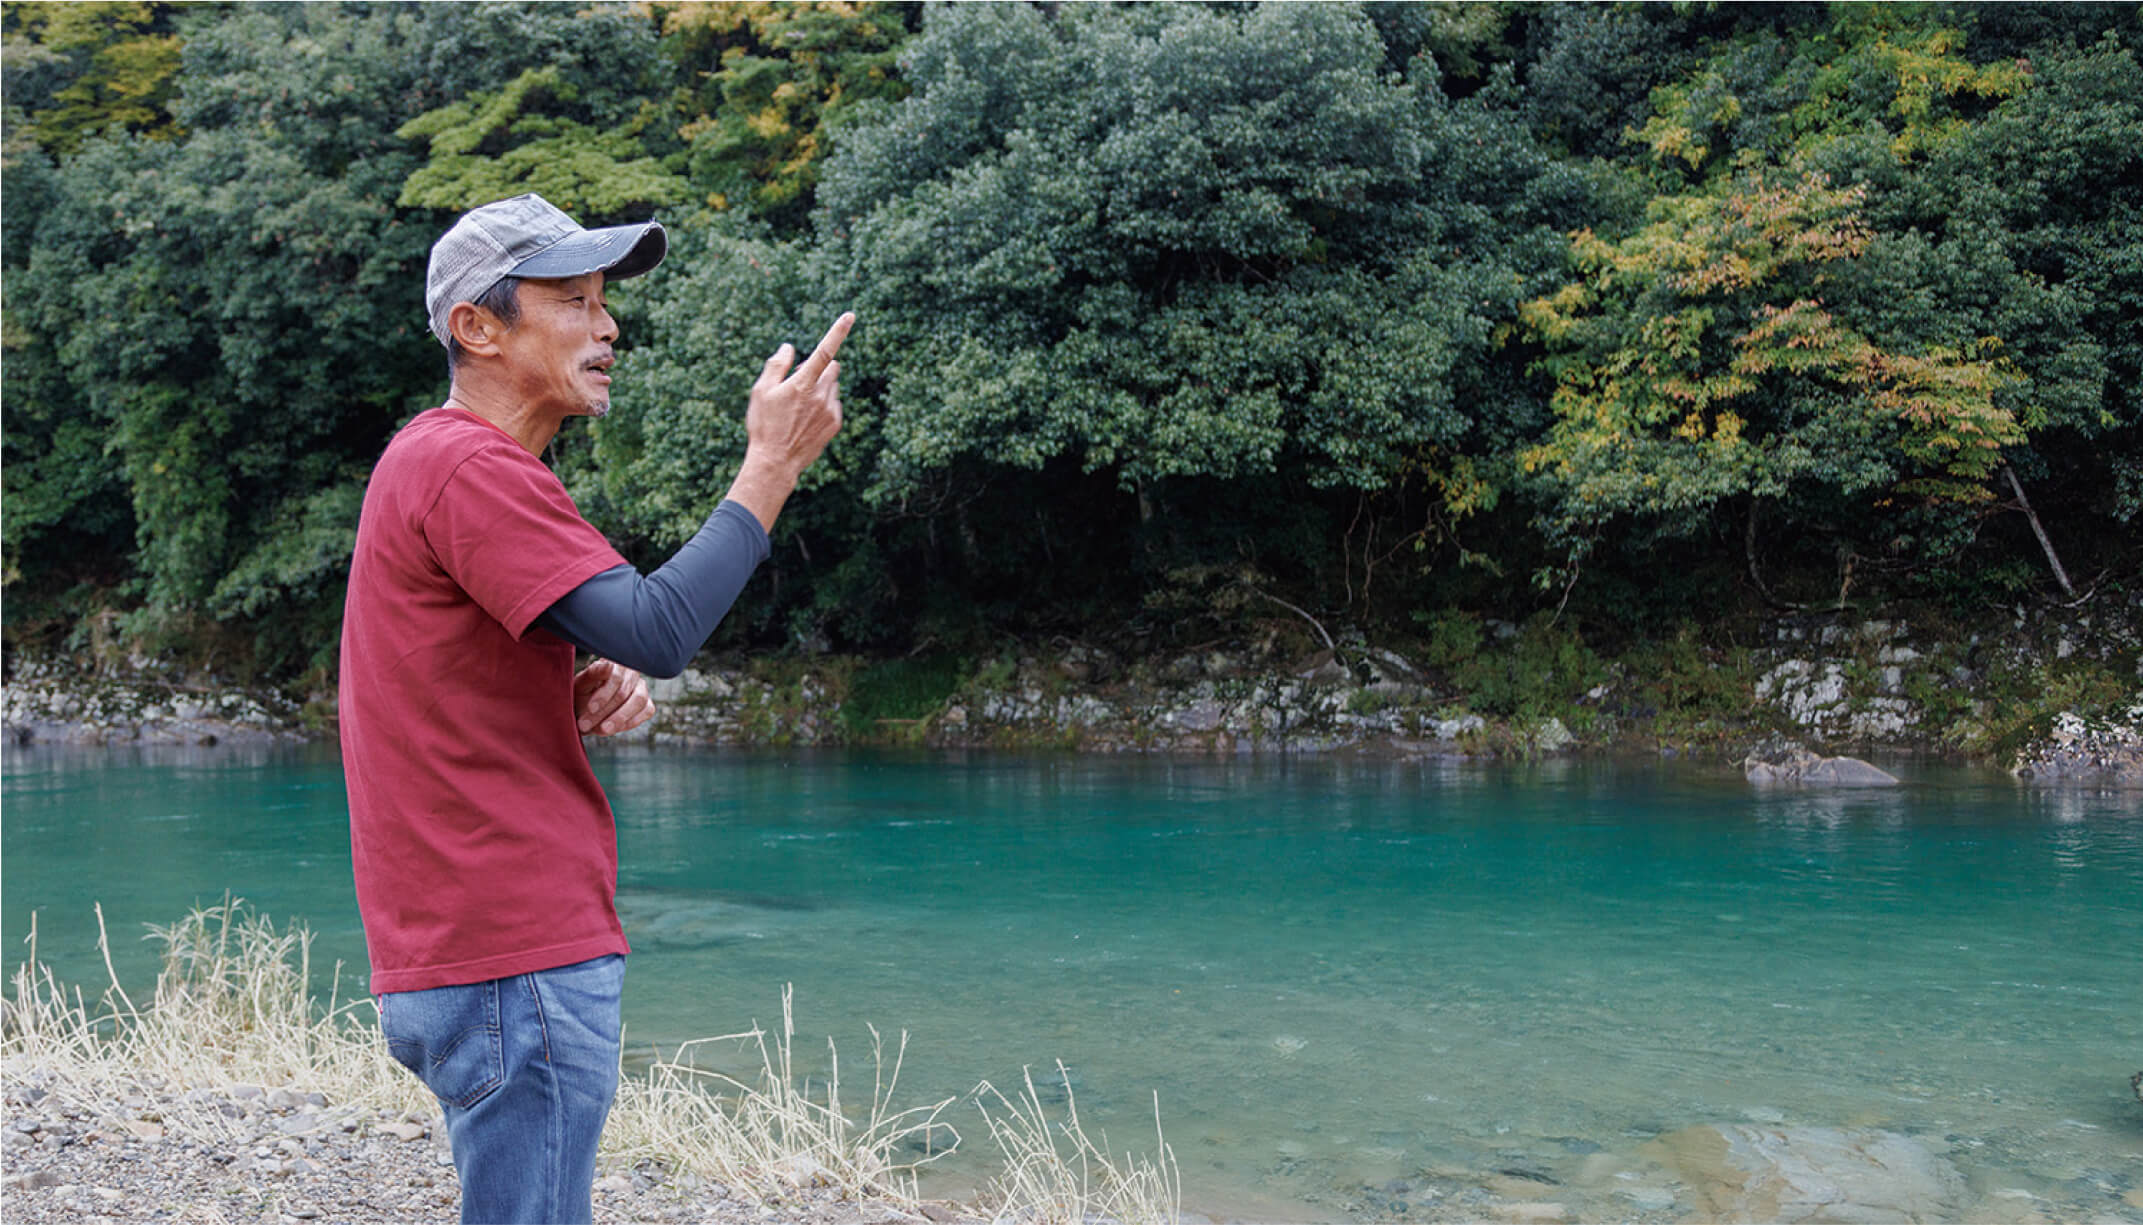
[1808, 1175]
[1790, 763]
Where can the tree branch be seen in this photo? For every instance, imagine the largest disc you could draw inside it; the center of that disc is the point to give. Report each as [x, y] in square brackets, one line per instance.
[1314, 624]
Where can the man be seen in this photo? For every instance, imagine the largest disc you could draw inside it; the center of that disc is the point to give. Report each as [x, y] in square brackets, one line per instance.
[483, 847]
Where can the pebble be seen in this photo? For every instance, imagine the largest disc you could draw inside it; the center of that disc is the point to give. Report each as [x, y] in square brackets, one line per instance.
[1532, 1213]
[1648, 1199]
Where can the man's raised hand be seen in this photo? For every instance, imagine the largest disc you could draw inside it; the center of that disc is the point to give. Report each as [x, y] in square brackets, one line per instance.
[793, 415]
[791, 418]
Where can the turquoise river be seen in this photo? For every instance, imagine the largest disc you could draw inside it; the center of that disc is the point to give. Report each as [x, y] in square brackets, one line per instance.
[1348, 982]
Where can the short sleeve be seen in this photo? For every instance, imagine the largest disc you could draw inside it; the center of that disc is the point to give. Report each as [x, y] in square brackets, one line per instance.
[505, 530]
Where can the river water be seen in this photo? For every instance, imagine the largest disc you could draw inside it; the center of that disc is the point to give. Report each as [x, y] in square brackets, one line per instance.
[1339, 977]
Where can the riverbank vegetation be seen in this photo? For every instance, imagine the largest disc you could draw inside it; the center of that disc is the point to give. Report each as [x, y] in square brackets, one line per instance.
[1641, 329]
[236, 1003]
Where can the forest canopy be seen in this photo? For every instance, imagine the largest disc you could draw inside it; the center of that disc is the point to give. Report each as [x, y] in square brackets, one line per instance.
[1622, 311]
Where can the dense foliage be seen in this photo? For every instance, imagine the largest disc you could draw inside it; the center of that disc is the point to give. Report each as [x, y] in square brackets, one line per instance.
[1171, 314]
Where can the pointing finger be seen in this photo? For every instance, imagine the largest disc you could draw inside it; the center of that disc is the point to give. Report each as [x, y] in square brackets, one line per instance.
[829, 345]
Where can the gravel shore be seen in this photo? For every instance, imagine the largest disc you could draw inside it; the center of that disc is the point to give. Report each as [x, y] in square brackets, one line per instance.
[245, 1153]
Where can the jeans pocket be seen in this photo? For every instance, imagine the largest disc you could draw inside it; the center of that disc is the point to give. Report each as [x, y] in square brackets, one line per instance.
[449, 1037]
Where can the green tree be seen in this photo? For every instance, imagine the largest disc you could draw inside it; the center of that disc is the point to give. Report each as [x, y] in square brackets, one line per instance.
[1172, 242]
[503, 144]
[76, 71]
[772, 84]
[1945, 246]
[2028, 225]
[226, 328]
[1695, 362]
[580, 120]
[1122, 272]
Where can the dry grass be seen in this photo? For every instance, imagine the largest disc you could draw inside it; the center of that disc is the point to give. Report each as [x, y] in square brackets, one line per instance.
[762, 1135]
[1056, 1175]
[233, 1004]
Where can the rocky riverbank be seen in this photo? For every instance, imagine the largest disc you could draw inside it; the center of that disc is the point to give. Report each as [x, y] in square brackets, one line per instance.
[283, 1157]
[2059, 704]
[54, 699]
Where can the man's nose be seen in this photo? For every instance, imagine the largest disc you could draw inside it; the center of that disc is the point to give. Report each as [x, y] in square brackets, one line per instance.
[606, 328]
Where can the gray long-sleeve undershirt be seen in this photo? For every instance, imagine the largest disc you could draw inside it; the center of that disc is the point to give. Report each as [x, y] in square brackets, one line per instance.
[657, 622]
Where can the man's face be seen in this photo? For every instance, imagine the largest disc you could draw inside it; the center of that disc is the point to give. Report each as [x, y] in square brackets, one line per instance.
[558, 355]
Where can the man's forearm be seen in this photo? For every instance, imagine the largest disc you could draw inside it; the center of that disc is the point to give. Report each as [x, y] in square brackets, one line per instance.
[656, 623]
[763, 486]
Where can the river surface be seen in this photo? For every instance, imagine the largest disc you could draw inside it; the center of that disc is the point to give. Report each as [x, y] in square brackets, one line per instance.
[1343, 979]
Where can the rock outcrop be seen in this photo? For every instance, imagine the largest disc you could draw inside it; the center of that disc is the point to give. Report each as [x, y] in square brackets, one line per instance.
[1790, 763]
[2083, 752]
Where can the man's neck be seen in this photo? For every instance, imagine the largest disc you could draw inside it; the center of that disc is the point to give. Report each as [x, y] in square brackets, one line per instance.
[532, 431]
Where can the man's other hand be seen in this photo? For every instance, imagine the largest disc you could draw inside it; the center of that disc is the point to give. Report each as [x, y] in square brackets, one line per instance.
[609, 698]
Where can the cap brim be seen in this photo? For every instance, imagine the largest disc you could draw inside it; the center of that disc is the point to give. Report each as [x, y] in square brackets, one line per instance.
[617, 251]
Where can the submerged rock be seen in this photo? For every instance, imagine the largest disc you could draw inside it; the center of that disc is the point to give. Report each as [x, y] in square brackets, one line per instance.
[1790, 763]
[1742, 1172]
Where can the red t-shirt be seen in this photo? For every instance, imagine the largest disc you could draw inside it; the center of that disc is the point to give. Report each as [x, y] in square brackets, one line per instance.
[482, 844]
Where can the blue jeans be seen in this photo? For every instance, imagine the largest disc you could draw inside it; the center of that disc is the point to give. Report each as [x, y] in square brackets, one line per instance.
[525, 1068]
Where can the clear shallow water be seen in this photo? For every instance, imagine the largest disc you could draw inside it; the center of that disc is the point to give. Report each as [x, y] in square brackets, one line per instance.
[1334, 974]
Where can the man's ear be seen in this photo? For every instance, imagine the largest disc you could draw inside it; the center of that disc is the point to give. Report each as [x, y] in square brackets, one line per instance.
[475, 329]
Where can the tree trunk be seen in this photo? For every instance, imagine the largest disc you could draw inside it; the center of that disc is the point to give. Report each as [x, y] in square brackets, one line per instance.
[1748, 548]
[2037, 529]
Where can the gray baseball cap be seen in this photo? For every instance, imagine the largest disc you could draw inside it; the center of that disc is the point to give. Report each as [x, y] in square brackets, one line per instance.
[528, 237]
